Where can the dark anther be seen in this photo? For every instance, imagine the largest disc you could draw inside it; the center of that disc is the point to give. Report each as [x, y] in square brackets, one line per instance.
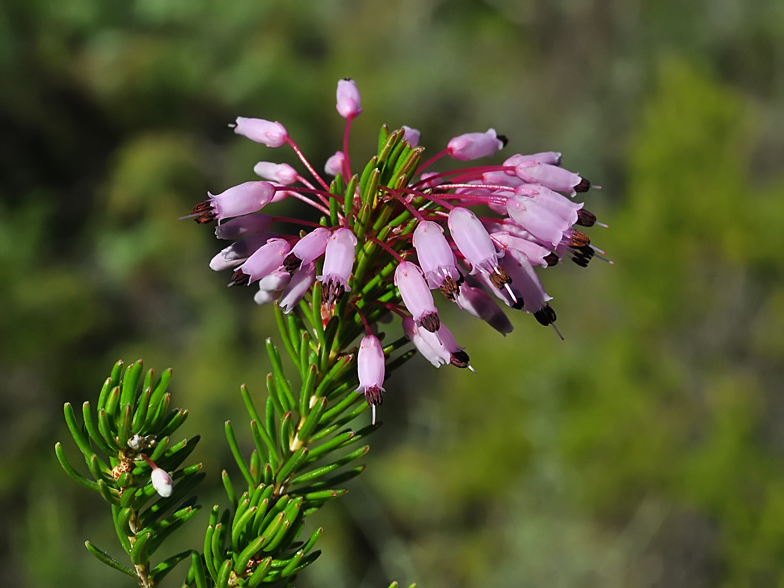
[204, 211]
[545, 315]
[578, 239]
[239, 278]
[334, 291]
[499, 278]
[459, 359]
[585, 218]
[583, 186]
[431, 322]
[519, 303]
[551, 259]
[449, 288]
[291, 263]
[503, 139]
[373, 395]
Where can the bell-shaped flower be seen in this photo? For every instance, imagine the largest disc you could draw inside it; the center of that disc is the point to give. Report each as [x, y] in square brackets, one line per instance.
[243, 226]
[265, 260]
[478, 303]
[438, 355]
[411, 135]
[162, 482]
[272, 286]
[476, 145]
[548, 157]
[416, 295]
[300, 283]
[348, 98]
[238, 200]
[436, 258]
[534, 252]
[334, 165]
[370, 369]
[474, 242]
[307, 250]
[238, 252]
[551, 176]
[271, 134]
[553, 201]
[535, 299]
[538, 220]
[282, 173]
[338, 263]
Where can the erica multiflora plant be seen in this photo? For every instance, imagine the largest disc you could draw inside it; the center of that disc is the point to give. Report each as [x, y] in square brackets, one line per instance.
[387, 239]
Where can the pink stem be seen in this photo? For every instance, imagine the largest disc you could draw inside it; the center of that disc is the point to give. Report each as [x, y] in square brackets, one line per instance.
[306, 163]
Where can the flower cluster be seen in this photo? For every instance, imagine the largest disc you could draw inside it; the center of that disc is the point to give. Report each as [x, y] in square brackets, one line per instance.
[357, 263]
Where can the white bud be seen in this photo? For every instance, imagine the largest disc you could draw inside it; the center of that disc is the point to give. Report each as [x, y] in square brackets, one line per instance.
[162, 482]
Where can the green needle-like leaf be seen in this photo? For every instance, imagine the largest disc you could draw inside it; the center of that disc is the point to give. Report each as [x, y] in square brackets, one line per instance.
[160, 571]
[58, 449]
[139, 550]
[108, 559]
[198, 571]
[235, 451]
[257, 577]
[131, 382]
[229, 488]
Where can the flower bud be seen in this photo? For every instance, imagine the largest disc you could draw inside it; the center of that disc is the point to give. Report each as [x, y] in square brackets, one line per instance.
[411, 135]
[282, 173]
[475, 145]
[271, 134]
[348, 98]
[334, 165]
[162, 482]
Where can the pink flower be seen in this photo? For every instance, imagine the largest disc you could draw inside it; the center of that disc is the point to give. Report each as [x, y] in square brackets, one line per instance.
[436, 258]
[338, 263]
[264, 261]
[271, 134]
[476, 145]
[538, 220]
[334, 165]
[348, 98]
[416, 296]
[308, 249]
[238, 252]
[271, 286]
[298, 286]
[370, 369]
[475, 244]
[478, 303]
[238, 200]
[549, 157]
[243, 226]
[282, 173]
[534, 252]
[439, 348]
[553, 177]
[535, 299]
[411, 135]
[553, 201]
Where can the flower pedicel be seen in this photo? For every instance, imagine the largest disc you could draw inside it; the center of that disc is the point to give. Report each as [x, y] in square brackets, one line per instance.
[391, 234]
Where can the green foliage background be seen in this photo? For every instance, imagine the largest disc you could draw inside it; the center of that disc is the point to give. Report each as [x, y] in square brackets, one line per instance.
[647, 450]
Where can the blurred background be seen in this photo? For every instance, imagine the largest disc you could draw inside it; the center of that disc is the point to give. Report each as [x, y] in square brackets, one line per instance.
[645, 450]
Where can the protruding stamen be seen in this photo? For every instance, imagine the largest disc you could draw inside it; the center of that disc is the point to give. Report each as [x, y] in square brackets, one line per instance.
[430, 322]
